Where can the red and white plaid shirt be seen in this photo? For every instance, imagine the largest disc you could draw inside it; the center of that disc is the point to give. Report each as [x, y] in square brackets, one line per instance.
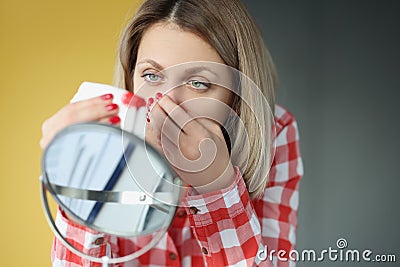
[230, 230]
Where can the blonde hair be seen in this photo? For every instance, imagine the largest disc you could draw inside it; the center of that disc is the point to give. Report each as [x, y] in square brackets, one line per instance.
[227, 26]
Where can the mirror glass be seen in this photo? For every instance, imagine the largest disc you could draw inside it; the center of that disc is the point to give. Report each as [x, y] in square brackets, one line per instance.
[109, 180]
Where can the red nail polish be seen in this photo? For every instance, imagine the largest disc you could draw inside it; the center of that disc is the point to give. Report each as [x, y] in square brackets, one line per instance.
[115, 120]
[107, 96]
[126, 99]
[158, 96]
[133, 100]
[111, 107]
[150, 101]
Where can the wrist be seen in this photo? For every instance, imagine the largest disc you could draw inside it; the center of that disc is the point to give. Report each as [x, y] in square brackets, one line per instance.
[226, 179]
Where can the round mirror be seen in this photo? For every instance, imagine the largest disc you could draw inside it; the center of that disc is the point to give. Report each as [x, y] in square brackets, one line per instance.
[110, 181]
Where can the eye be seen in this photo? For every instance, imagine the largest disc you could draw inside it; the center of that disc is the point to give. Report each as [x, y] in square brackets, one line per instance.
[198, 85]
[151, 77]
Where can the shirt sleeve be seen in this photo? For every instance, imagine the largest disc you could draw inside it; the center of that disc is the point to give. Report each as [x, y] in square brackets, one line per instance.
[234, 231]
[84, 239]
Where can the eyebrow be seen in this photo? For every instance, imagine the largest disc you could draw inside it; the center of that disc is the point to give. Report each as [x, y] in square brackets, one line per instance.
[151, 62]
[198, 69]
[188, 71]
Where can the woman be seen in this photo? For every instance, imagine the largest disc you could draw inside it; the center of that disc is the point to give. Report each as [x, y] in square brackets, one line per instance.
[248, 204]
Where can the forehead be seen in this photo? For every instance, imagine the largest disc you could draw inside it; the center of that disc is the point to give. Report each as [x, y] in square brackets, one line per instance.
[168, 45]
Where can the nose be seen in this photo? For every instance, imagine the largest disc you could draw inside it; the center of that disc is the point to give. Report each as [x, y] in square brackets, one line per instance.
[175, 93]
[172, 94]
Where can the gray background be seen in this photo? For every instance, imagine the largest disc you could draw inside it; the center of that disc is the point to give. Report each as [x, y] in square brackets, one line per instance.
[339, 63]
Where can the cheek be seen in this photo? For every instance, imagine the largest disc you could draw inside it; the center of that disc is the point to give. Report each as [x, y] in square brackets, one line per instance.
[140, 88]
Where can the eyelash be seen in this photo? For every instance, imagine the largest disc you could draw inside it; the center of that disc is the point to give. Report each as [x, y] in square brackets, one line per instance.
[146, 77]
[205, 84]
[190, 83]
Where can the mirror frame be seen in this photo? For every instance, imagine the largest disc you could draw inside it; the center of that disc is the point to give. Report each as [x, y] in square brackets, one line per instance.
[46, 187]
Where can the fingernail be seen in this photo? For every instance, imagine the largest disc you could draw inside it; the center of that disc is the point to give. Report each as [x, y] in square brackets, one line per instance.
[126, 99]
[137, 102]
[111, 107]
[107, 96]
[150, 101]
[133, 100]
[115, 120]
[158, 96]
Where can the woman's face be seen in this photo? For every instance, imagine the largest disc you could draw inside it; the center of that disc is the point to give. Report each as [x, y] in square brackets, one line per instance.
[180, 63]
[190, 72]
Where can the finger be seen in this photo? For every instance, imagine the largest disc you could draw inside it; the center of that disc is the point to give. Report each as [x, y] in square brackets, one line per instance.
[102, 100]
[92, 109]
[178, 158]
[157, 118]
[162, 124]
[192, 138]
[178, 115]
[190, 122]
[212, 117]
[211, 125]
[165, 132]
[169, 148]
[43, 143]
[151, 138]
[114, 120]
[188, 156]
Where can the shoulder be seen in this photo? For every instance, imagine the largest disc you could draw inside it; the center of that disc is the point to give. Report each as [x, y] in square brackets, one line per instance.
[283, 118]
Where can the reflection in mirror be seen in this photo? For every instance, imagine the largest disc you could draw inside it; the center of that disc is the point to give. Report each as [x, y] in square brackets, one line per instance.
[110, 181]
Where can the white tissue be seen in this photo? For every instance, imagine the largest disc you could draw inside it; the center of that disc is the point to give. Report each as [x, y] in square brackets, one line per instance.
[133, 120]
